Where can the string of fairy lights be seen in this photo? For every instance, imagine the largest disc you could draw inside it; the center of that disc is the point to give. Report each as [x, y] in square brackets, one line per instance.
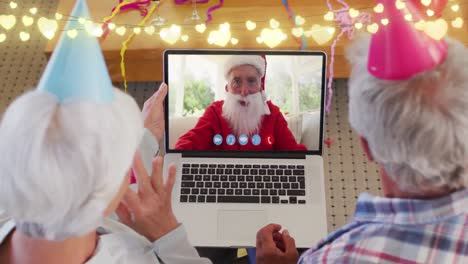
[271, 36]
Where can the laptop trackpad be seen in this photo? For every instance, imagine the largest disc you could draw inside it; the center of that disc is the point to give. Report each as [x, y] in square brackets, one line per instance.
[240, 225]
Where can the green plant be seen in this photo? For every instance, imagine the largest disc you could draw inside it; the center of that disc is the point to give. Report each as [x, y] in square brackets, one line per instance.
[198, 96]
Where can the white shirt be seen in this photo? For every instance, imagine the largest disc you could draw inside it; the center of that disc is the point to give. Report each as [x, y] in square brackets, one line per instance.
[118, 244]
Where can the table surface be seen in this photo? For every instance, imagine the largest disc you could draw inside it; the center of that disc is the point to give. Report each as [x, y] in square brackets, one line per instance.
[144, 54]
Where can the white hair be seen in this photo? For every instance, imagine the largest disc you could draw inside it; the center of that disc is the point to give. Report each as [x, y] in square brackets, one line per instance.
[245, 119]
[63, 163]
[417, 129]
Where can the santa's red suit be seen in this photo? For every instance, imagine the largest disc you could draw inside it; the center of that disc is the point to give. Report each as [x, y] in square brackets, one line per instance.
[274, 132]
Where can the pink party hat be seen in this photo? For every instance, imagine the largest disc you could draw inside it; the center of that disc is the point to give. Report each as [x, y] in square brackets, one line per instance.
[437, 6]
[398, 51]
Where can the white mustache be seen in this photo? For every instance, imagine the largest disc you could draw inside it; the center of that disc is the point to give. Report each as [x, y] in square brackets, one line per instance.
[244, 114]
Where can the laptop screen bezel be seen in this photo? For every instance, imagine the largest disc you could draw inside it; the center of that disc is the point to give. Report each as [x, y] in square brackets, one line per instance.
[250, 153]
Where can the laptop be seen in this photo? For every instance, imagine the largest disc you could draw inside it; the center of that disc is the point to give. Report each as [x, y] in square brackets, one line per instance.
[229, 185]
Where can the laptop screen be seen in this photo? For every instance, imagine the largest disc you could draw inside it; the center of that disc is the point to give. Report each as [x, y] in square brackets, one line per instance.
[244, 101]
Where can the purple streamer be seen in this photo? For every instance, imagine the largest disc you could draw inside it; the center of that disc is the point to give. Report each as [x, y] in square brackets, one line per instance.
[211, 9]
[180, 2]
[346, 25]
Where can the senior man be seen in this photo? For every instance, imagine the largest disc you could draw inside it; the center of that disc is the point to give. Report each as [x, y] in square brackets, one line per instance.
[411, 114]
[245, 111]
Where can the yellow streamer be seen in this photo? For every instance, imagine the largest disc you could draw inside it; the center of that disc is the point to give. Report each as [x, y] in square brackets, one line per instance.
[128, 40]
[115, 12]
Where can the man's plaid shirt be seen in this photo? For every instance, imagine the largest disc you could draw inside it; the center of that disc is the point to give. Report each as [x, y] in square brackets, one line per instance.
[393, 230]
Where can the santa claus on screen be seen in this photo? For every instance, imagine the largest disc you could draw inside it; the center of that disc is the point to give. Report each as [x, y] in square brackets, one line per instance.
[244, 120]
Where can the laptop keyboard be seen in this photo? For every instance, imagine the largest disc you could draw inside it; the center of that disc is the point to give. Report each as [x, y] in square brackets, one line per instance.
[229, 183]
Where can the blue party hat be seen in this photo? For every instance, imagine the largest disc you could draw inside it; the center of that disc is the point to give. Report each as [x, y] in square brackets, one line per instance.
[77, 70]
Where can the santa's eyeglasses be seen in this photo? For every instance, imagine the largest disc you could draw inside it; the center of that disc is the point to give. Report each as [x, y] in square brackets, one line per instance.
[252, 85]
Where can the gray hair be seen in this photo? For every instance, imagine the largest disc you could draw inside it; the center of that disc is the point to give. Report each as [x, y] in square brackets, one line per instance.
[62, 164]
[417, 129]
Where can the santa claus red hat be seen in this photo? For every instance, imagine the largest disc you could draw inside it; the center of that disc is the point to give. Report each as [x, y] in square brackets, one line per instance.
[238, 60]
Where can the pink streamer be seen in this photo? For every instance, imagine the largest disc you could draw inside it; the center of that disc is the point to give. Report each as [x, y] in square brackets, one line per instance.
[345, 23]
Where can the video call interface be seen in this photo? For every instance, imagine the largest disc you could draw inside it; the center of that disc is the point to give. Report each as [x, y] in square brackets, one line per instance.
[213, 107]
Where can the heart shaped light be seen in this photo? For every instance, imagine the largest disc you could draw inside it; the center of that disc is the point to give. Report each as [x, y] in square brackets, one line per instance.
[297, 32]
[137, 30]
[7, 22]
[24, 36]
[27, 21]
[373, 28]
[259, 40]
[457, 23]
[272, 37]
[170, 35]
[430, 12]
[436, 29]
[455, 8]
[220, 37]
[299, 21]
[384, 21]
[111, 26]
[274, 23]
[120, 31]
[426, 2]
[97, 31]
[184, 38]
[47, 27]
[93, 29]
[2, 37]
[250, 25]
[33, 10]
[322, 35]
[200, 28]
[13, 5]
[72, 33]
[150, 30]
[408, 17]
[329, 16]
[58, 16]
[353, 13]
[234, 41]
[358, 25]
[379, 8]
[400, 4]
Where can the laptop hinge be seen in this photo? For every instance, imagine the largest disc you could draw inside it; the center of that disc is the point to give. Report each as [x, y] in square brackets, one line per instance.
[243, 155]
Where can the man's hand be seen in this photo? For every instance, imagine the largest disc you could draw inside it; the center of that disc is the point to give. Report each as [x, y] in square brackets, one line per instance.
[153, 112]
[274, 247]
[149, 212]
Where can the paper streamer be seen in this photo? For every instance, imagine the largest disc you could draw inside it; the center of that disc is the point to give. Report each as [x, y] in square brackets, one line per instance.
[345, 23]
[180, 2]
[124, 5]
[212, 9]
[128, 40]
[292, 17]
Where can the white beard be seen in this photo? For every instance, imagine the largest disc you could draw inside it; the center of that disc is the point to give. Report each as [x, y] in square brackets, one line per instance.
[245, 119]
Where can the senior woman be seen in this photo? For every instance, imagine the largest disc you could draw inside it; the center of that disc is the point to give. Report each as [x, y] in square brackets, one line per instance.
[66, 150]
